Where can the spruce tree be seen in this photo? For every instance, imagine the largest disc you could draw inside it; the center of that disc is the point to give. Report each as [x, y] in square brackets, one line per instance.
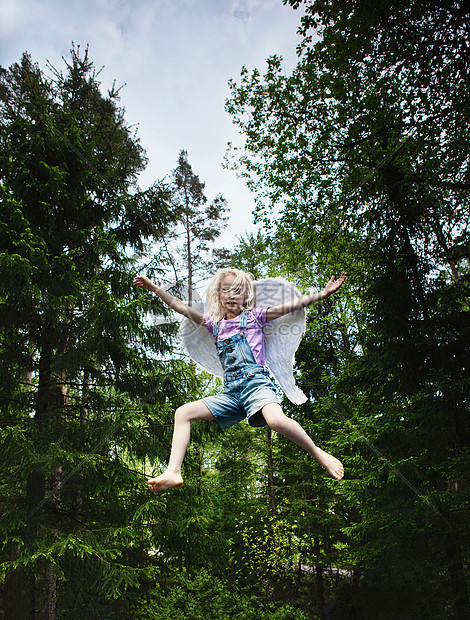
[75, 361]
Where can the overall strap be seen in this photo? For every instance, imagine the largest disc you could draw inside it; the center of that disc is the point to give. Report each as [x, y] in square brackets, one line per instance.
[215, 330]
[255, 319]
[243, 322]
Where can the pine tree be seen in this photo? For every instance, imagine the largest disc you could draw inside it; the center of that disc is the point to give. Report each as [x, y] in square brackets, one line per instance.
[202, 222]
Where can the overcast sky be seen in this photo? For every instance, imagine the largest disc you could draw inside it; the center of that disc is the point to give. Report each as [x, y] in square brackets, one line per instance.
[175, 58]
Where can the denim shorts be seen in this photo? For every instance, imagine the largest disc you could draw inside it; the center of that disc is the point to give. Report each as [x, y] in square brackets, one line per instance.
[244, 396]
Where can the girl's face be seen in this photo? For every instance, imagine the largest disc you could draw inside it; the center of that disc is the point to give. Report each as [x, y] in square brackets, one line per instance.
[231, 299]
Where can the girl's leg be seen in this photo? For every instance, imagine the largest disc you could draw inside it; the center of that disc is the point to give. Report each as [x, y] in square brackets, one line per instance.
[291, 429]
[184, 415]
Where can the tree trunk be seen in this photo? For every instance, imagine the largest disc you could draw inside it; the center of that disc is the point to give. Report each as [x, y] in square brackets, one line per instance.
[46, 587]
[319, 586]
[46, 402]
[445, 250]
[18, 592]
[272, 497]
[190, 262]
[457, 578]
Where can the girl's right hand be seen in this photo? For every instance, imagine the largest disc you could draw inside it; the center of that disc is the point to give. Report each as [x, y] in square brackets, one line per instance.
[143, 282]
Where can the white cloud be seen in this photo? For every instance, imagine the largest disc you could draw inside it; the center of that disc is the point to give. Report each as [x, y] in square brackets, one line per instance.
[175, 56]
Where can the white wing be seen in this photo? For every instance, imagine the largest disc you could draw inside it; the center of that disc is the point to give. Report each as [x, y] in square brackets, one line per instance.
[199, 343]
[283, 335]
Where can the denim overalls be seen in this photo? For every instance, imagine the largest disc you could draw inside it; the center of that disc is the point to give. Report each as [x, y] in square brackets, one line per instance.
[248, 387]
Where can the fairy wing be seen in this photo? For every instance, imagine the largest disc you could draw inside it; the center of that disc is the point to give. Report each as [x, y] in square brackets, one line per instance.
[283, 335]
[199, 343]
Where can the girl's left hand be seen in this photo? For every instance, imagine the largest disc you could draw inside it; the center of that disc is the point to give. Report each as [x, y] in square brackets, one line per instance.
[333, 284]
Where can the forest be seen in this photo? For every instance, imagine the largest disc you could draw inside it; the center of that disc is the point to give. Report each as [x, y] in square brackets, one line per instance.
[359, 160]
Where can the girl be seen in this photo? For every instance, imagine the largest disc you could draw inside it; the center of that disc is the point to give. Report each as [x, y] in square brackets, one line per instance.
[237, 328]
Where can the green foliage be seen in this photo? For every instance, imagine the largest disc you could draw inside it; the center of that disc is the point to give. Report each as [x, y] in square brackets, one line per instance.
[364, 148]
[254, 255]
[201, 595]
[77, 360]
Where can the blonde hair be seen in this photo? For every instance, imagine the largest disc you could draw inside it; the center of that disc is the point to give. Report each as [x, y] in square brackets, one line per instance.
[243, 282]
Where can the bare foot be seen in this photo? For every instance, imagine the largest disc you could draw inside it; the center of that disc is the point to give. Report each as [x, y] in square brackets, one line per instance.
[164, 481]
[330, 463]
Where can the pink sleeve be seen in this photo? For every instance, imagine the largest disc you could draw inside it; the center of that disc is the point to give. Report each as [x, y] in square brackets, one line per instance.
[260, 314]
[209, 323]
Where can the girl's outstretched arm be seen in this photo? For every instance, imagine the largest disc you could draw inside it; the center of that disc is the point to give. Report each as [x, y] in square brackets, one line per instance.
[305, 300]
[175, 304]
